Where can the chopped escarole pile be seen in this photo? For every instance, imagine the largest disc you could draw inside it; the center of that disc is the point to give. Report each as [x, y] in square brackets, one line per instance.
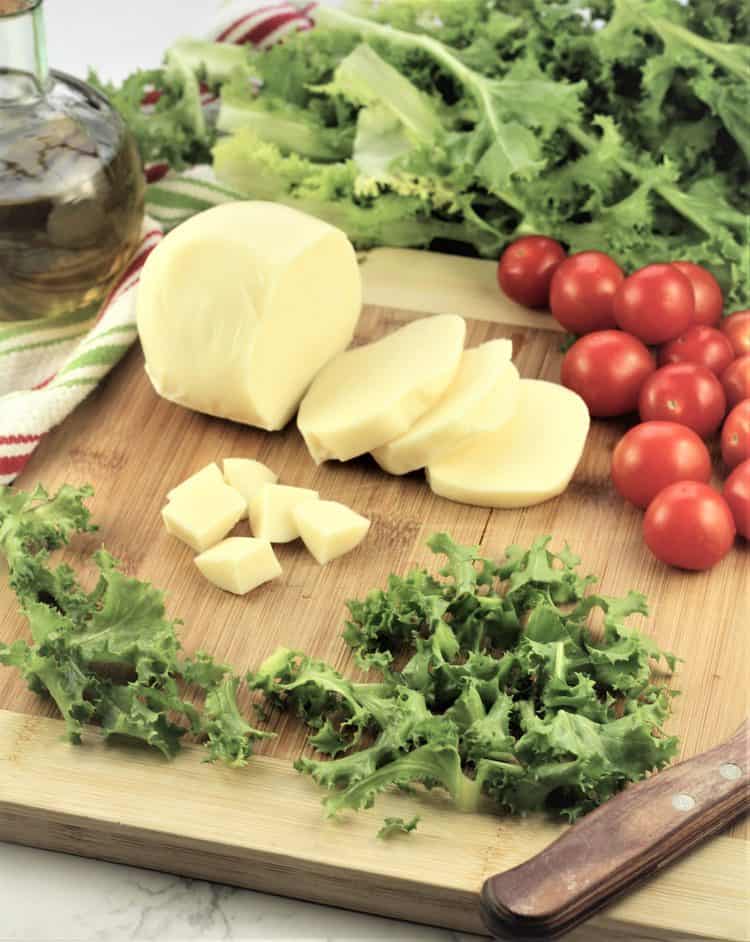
[490, 681]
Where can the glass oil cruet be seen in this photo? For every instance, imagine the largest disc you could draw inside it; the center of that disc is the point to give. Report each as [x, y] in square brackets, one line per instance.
[71, 183]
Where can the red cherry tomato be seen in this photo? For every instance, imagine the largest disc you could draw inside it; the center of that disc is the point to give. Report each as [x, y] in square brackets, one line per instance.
[709, 301]
[737, 495]
[526, 268]
[737, 329]
[735, 435]
[706, 346]
[582, 290]
[736, 380]
[655, 304]
[607, 369]
[689, 525]
[684, 393]
[654, 454]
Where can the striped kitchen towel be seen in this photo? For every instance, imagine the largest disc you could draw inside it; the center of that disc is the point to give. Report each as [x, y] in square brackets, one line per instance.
[48, 367]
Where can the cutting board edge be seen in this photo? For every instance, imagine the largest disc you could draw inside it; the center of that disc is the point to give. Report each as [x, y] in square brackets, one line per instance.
[329, 877]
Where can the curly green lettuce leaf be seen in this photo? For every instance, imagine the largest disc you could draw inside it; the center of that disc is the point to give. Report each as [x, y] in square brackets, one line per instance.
[397, 211]
[126, 624]
[387, 619]
[34, 524]
[211, 62]
[139, 712]
[718, 73]
[393, 826]
[364, 78]
[292, 128]
[173, 128]
[230, 737]
[501, 144]
[109, 656]
[399, 716]
[56, 675]
[436, 763]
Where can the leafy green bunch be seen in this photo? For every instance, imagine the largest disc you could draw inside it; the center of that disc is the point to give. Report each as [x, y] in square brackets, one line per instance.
[491, 684]
[618, 125]
[108, 656]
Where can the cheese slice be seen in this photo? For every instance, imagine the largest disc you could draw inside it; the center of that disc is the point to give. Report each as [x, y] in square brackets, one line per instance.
[369, 395]
[239, 564]
[241, 305]
[204, 514]
[329, 529]
[482, 396]
[247, 476]
[528, 460]
[206, 476]
[271, 511]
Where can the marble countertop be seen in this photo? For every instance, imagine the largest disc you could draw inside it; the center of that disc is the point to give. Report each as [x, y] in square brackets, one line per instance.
[48, 897]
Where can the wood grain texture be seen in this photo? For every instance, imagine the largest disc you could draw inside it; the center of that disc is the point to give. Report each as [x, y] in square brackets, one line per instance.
[620, 844]
[263, 828]
[133, 447]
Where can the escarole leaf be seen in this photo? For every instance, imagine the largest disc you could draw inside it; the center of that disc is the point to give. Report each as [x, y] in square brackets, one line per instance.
[291, 128]
[109, 656]
[364, 79]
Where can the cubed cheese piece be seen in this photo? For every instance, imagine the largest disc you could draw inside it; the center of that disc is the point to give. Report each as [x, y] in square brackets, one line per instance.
[239, 564]
[482, 396]
[241, 305]
[206, 476]
[204, 515]
[247, 476]
[372, 394]
[329, 529]
[528, 460]
[271, 511]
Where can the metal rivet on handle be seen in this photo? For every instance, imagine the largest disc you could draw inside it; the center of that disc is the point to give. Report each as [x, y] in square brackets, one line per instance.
[683, 803]
[730, 771]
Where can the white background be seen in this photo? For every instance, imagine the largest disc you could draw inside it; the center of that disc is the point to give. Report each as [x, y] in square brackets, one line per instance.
[117, 36]
[48, 897]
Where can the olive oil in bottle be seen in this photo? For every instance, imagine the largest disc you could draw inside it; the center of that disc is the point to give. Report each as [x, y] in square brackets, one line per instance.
[71, 183]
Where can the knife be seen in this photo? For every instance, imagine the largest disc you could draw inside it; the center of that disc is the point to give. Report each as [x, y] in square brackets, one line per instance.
[620, 844]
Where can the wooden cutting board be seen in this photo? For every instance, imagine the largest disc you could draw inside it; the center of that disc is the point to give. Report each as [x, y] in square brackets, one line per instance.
[263, 827]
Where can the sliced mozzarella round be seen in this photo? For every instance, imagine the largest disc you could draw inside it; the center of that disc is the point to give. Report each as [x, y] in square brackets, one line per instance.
[482, 396]
[374, 393]
[528, 460]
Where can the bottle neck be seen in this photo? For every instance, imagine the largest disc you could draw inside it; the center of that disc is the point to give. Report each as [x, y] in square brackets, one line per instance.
[24, 74]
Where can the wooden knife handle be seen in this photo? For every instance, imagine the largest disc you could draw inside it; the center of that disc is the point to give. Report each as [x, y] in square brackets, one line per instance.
[619, 844]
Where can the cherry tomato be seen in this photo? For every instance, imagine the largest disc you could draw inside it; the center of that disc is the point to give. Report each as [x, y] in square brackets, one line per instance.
[736, 380]
[686, 393]
[735, 435]
[655, 304]
[709, 301]
[654, 454]
[706, 346]
[582, 290]
[737, 495]
[526, 268]
[607, 369]
[689, 525]
[737, 329]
